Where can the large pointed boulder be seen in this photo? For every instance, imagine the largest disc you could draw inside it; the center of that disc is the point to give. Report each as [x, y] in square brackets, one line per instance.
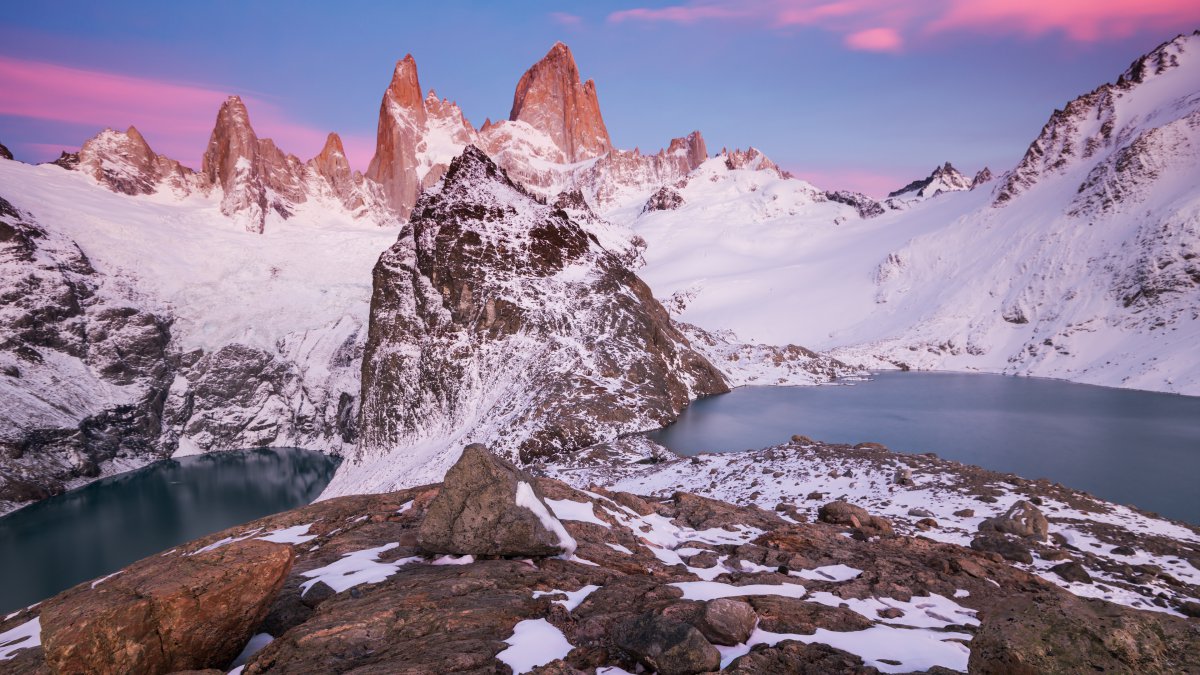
[487, 506]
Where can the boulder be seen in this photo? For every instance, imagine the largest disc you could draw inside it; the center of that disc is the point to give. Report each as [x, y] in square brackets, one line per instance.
[1010, 549]
[727, 622]
[920, 513]
[1022, 519]
[792, 656]
[666, 646]
[487, 506]
[166, 614]
[1072, 571]
[845, 513]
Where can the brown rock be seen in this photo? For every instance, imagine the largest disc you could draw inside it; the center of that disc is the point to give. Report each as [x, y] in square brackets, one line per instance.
[1072, 571]
[792, 615]
[1022, 519]
[476, 512]
[727, 622]
[402, 120]
[165, 614]
[666, 646]
[1010, 549]
[1060, 633]
[791, 656]
[845, 513]
[550, 98]
[965, 513]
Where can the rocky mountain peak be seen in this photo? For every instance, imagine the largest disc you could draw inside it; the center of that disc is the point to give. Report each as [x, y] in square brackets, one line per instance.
[402, 120]
[551, 98]
[1164, 57]
[5, 153]
[404, 91]
[944, 178]
[498, 319]
[692, 147]
[984, 176]
[124, 162]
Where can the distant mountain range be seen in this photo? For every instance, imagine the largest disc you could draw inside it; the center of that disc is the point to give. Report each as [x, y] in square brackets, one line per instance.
[486, 283]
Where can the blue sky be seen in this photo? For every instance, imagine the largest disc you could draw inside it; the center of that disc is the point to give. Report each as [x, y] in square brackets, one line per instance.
[862, 94]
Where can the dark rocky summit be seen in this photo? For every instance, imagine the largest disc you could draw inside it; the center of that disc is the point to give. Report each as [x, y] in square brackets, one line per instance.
[5, 153]
[652, 583]
[493, 306]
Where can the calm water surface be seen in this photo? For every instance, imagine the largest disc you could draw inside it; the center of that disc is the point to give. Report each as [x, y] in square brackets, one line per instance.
[1130, 447]
[87, 533]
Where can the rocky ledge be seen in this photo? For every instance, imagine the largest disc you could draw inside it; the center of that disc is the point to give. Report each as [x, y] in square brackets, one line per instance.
[497, 571]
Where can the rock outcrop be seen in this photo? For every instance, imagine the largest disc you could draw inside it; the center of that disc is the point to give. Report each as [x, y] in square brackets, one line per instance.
[551, 98]
[655, 582]
[255, 176]
[83, 373]
[166, 613]
[497, 319]
[5, 153]
[488, 507]
[124, 162]
[944, 178]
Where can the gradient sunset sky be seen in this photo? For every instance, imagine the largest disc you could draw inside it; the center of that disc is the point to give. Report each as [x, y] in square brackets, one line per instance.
[853, 94]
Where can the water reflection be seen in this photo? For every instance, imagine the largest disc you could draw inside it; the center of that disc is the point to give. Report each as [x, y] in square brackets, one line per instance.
[1127, 446]
[87, 533]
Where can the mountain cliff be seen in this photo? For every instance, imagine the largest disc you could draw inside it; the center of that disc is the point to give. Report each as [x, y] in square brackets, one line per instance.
[497, 318]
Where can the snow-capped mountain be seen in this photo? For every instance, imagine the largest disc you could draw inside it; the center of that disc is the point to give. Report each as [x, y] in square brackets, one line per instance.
[497, 318]
[944, 179]
[1083, 262]
[189, 311]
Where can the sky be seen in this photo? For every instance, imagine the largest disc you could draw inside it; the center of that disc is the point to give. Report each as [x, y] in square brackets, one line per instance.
[849, 94]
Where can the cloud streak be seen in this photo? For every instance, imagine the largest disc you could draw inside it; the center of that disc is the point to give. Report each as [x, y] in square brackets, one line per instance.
[176, 118]
[887, 26]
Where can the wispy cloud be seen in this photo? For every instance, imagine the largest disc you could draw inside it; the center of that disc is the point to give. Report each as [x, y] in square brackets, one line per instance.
[176, 118]
[885, 25]
[566, 19]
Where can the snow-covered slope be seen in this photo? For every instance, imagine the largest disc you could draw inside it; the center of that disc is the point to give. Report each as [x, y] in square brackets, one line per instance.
[265, 331]
[1081, 263]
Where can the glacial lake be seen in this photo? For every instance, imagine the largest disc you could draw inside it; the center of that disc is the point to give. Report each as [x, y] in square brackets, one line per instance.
[56, 543]
[1130, 447]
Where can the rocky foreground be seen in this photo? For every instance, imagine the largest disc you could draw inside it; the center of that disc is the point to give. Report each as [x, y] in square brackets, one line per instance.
[495, 570]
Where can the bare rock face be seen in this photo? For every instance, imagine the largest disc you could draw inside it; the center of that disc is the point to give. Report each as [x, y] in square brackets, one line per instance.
[401, 124]
[331, 164]
[551, 98]
[256, 177]
[5, 153]
[751, 159]
[791, 656]
[62, 340]
[1053, 633]
[489, 507]
[166, 614]
[124, 162]
[866, 207]
[493, 306]
[984, 176]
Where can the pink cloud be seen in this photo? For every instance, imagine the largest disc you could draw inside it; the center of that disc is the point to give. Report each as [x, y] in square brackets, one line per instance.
[883, 25]
[565, 19]
[871, 183]
[176, 118]
[875, 40]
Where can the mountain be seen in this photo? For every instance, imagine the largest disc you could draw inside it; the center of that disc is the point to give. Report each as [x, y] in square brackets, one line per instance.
[496, 317]
[1080, 263]
[944, 179]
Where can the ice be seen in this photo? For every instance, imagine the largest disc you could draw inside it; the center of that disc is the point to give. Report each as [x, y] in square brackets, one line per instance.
[534, 642]
[358, 567]
[711, 590]
[528, 499]
[567, 509]
[573, 597]
[24, 636]
[297, 534]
